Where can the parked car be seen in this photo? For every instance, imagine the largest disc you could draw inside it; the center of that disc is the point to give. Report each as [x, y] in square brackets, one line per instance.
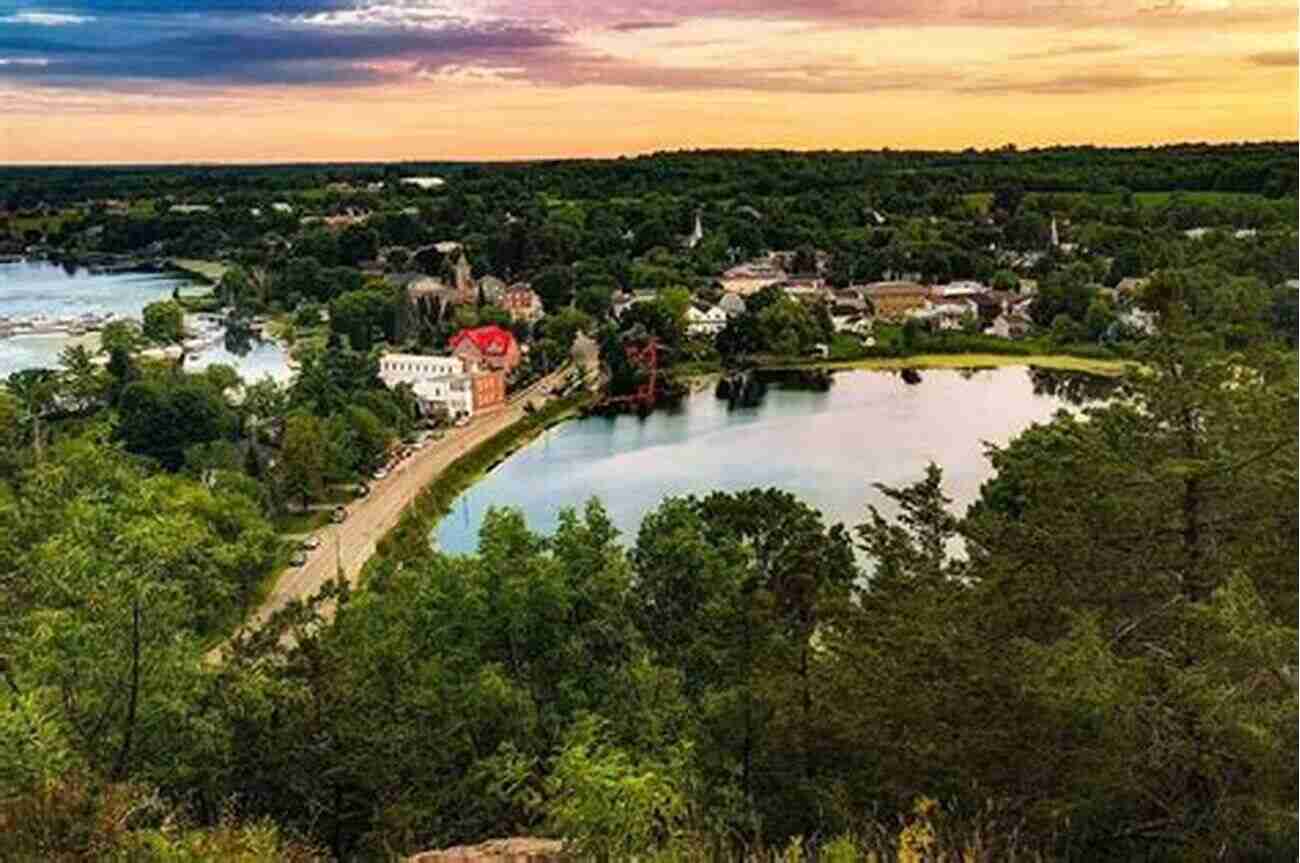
[340, 513]
[363, 489]
[299, 559]
[462, 422]
[381, 473]
[310, 543]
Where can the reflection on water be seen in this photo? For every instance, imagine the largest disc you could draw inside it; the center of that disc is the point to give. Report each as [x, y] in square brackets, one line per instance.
[1074, 387]
[827, 446]
[32, 288]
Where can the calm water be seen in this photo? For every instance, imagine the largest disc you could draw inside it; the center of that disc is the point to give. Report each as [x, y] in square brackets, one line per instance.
[42, 288]
[826, 447]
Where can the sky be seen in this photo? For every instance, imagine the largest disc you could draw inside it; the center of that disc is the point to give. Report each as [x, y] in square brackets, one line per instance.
[130, 81]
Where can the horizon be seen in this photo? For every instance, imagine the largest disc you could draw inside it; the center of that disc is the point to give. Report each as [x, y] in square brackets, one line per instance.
[547, 159]
[85, 82]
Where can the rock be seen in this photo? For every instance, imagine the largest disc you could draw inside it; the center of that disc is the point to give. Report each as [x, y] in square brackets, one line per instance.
[517, 849]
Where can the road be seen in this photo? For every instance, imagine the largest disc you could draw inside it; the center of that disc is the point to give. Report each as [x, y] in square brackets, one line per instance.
[349, 545]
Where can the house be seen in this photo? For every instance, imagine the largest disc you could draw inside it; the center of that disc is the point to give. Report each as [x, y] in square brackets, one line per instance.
[522, 303]
[1196, 233]
[488, 347]
[491, 289]
[850, 300]
[439, 383]
[990, 304]
[752, 277]
[958, 289]
[1009, 325]
[732, 305]
[944, 316]
[894, 299]
[1245, 234]
[188, 209]
[705, 323]
[856, 325]
[806, 288]
[446, 247]
[623, 300]
[282, 207]
[1139, 320]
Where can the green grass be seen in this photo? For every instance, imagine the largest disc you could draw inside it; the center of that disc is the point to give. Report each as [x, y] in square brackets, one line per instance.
[210, 271]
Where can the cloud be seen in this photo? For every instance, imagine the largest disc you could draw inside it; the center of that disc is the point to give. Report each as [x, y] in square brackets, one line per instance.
[46, 19]
[1274, 58]
[636, 26]
[1075, 84]
[1069, 51]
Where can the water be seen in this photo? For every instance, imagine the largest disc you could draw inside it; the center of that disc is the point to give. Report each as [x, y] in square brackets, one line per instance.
[826, 447]
[29, 288]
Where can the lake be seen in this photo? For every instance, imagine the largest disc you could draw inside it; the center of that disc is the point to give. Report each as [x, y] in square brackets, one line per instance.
[42, 288]
[826, 447]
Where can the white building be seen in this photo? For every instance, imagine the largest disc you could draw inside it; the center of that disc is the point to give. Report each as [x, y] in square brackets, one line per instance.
[424, 183]
[958, 289]
[708, 323]
[438, 382]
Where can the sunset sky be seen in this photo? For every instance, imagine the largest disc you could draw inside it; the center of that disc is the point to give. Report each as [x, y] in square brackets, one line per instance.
[279, 80]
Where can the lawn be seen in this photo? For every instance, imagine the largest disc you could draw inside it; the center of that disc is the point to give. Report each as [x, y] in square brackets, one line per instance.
[212, 271]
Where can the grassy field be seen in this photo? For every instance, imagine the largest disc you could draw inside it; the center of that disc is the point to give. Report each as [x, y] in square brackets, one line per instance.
[211, 271]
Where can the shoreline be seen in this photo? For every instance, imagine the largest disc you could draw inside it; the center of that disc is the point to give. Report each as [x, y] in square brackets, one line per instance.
[1060, 362]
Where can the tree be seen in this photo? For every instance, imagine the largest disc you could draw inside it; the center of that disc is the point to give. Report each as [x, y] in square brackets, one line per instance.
[161, 418]
[34, 392]
[554, 286]
[1007, 198]
[164, 322]
[358, 314]
[301, 464]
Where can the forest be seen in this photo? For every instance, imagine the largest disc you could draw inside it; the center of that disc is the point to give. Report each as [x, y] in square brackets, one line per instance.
[1095, 660]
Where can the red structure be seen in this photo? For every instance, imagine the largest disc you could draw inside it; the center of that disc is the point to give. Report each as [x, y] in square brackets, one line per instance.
[645, 356]
[486, 347]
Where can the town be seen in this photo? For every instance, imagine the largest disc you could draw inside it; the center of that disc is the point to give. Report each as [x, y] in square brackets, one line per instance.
[698, 505]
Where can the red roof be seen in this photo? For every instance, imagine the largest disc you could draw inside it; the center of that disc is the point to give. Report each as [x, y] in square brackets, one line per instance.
[490, 340]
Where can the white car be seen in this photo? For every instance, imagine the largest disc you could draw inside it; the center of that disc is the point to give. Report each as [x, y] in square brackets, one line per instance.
[310, 543]
[381, 473]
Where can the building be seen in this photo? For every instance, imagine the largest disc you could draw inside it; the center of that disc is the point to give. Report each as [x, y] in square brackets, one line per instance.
[732, 305]
[491, 289]
[944, 316]
[1009, 325]
[488, 388]
[522, 303]
[893, 300]
[752, 277]
[697, 233]
[424, 183]
[705, 323]
[463, 281]
[958, 289]
[439, 383]
[488, 347]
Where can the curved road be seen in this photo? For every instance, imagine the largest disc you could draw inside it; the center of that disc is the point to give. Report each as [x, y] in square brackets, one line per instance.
[349, 545]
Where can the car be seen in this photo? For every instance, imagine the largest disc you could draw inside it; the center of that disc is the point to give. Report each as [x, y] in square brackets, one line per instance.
[462, 422]
[363, 489]
[340, 514]
[381, 473]
[299, 559]
[310, 543]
